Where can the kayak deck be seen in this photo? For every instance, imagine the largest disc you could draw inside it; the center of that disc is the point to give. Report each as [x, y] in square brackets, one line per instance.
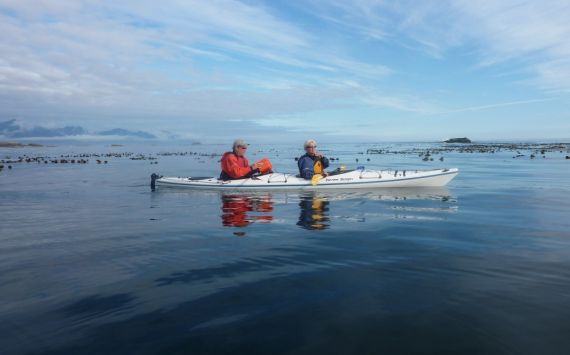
[342, 180]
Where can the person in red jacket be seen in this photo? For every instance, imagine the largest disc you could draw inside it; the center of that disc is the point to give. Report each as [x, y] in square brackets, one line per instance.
[235, 165]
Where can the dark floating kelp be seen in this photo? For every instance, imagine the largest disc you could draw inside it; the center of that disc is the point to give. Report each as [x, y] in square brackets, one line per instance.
[519, 150]
[534, 149]
[98, 158]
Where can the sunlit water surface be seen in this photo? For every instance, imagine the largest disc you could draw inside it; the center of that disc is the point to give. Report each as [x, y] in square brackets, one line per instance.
[93, 261]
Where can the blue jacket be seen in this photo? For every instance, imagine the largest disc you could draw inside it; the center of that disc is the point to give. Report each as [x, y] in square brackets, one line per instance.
[306, 165]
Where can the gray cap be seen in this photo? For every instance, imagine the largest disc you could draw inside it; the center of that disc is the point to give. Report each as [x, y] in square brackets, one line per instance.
[240, 142]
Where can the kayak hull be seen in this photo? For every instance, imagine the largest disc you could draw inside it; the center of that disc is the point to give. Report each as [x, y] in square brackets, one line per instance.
[356, 179]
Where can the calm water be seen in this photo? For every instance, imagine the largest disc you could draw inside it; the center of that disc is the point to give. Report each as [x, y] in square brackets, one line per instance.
[93, 262]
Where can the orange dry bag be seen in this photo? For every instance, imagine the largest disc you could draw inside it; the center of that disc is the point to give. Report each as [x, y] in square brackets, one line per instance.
[265, 166]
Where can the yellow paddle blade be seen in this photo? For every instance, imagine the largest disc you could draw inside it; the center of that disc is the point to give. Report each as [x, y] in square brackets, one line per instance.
[316, 178]
[342, 168]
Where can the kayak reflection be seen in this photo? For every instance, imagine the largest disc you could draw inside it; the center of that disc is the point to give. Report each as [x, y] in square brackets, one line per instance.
[314, 212]
[244, 209]
[311, 210]
[240, 210]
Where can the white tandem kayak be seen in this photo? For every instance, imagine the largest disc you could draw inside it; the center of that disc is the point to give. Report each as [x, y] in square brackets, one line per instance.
[353, 179]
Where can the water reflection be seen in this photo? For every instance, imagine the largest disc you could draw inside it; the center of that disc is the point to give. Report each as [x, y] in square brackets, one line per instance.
[314, 211]
[240, 210]
[243, 209]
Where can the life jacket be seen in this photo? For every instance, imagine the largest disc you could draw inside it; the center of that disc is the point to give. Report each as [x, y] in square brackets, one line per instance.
[318, 167]
[234, 167]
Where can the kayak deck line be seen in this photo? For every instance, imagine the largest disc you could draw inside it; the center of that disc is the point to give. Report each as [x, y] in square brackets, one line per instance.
[348, 179]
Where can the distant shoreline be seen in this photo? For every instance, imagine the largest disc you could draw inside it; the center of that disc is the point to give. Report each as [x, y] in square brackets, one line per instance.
[19, 145]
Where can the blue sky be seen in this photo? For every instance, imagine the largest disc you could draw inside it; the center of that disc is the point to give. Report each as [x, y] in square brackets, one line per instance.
[264, 70]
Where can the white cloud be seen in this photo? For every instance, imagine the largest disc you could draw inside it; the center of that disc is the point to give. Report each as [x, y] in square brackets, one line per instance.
[501, 104]
[135, 58]
[532, 34]
[404, 103]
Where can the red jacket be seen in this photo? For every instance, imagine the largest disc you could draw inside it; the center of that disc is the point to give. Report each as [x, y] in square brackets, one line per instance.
[234, 166]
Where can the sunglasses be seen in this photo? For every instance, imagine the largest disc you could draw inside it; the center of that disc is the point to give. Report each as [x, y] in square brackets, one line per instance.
[242, 147]
[311, 146]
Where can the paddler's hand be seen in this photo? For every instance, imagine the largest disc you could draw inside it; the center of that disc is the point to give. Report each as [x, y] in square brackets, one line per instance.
[255, 166]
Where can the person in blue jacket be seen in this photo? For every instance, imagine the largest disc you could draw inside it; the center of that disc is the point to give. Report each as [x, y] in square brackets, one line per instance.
[313, 162]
